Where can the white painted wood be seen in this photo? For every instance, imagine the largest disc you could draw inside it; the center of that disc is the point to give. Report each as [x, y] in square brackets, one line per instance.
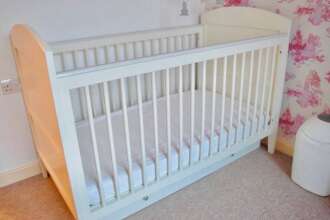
[127, 134]
[155, 113]
[85, 58]
[93, 42]
[232, 100]
[180, 119]
[94, 144]
[82, 102]
[192, 101]
[72, 154]
[271, 85]
[111, 138]
[241, 87]
[265, 79]
[256, 94]
[224, 89]
[202, 137]
[96, 56]
[143, 148]
[131, 68]
[278, 94]
[62, 62]
[121, 52]
[168, 123]
[249, 92]
[214, 90]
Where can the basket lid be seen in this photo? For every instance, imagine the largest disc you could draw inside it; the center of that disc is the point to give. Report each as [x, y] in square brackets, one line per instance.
[318, 128]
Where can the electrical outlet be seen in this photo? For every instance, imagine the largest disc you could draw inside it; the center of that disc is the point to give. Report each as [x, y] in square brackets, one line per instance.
[9, 86]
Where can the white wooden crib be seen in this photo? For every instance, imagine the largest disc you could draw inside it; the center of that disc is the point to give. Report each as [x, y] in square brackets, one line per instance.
[121, 121]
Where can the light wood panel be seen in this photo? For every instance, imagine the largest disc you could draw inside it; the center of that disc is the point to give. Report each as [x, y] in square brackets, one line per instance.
[30, 54]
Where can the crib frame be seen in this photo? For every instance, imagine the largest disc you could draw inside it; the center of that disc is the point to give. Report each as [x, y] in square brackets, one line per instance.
[47, 98]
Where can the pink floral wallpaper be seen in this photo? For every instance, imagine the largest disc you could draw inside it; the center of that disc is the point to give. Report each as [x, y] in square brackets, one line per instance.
[307, 90]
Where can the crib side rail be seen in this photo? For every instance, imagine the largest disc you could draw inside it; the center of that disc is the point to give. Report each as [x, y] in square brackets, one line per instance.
[86, 43]
[250, 73]
[78, 54]
[93, 75]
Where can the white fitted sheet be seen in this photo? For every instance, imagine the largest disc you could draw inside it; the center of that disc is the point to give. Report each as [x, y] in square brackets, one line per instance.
[85, 141]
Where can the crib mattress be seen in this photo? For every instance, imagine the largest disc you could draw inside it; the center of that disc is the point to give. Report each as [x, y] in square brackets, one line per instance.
[221, 139]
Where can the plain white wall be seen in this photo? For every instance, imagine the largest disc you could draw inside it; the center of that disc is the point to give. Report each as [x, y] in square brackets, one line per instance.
[69, 19]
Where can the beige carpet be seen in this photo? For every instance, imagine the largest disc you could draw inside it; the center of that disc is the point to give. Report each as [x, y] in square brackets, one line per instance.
[257, 186]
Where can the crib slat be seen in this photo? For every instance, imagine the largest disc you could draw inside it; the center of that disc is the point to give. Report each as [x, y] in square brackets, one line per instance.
[134, 50]
[148, 46]
[180, 119]
[143, 47]
[241, 90]
[248, 104]
[148, 86]
[214, 89]
[110, 133]
[128, 83]
[73, 54]
[153, 51]
[62, 62]
[85, 57]
[96, 56]
[223, 94]
[182, 39]
[191, 41]
[102, 107]
[155, 113]
[143, 148]
[232, 101]
[94, 144]
[83, 103]
[265, 79]
[192, 108]
[126, 51]
[160, 48]
[255, 109]
[127, 135]
[168, 45]
[106, 55]
[271, 84]
[116, 53]
[176, 43]
[203, 109]
[130, 80]
[115, 94]
[168, 118]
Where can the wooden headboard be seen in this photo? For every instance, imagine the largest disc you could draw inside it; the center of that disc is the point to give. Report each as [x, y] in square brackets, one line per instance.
[228, 24]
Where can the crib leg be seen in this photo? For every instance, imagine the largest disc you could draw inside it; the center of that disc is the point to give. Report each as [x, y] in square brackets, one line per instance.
[43, 169]
[272, 141]
[41, 164]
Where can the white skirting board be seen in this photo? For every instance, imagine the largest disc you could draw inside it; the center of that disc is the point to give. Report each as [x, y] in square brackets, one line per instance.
[20, 173]
[173, 184]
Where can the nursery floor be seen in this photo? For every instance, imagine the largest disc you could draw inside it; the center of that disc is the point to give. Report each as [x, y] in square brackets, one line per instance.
[258, 186]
